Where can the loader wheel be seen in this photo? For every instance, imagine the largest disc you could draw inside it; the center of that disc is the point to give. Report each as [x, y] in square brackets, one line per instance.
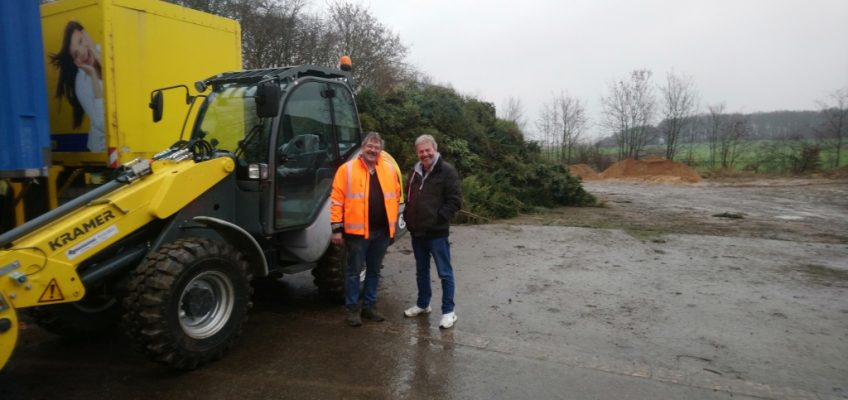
[187, 302]
[329, 273]
[91, 316]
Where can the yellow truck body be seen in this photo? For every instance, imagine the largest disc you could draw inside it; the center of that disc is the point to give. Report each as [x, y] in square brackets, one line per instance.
[143, 45]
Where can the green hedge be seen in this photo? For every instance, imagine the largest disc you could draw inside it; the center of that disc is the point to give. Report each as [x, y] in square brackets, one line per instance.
[502, 174]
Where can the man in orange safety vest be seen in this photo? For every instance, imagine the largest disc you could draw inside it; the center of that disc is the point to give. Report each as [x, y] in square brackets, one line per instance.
[363, 213]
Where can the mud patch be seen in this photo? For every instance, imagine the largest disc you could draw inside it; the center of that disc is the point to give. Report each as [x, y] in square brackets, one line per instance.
[822, 275]
[729, 215]
[649, 211]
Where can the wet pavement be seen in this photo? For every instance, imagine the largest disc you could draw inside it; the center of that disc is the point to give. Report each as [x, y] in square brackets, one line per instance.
[544, 313]
[296, 346]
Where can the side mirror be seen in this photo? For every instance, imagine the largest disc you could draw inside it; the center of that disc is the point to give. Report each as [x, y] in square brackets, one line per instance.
[156, 104]
[267, 100]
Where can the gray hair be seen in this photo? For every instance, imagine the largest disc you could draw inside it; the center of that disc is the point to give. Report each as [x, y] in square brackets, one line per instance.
[373, 137]
[427, 139]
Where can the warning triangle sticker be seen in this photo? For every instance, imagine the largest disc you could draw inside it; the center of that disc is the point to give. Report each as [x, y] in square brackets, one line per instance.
[51, 293]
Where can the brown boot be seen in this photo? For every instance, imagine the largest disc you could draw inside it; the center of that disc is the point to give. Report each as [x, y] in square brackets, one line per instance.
[372, 315]
[353, 317]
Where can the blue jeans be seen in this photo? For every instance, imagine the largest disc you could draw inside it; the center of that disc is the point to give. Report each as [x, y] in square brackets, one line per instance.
[371, 251]
[439, 248]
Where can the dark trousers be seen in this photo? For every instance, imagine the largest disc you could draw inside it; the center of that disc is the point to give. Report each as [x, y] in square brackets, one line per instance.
[371, 251]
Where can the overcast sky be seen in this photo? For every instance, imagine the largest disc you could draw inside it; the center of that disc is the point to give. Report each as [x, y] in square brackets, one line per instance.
[754, 55]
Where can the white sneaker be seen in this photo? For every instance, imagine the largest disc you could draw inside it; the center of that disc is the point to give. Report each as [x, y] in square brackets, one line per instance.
[448, 320]
[415, 311]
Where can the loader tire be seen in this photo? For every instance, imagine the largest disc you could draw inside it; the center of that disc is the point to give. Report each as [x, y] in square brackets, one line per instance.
[329, 273]
[92, 316]
[187, 302]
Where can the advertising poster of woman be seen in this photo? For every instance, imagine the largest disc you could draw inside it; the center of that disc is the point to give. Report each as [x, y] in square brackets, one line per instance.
[80, 82]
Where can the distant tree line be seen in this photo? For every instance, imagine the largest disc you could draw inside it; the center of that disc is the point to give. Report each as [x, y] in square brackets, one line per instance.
[639, 117]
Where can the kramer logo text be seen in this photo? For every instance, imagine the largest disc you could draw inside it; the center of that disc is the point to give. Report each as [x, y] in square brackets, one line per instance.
[80, 230]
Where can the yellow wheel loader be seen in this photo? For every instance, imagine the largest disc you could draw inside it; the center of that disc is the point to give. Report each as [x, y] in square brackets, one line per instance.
[170, 246]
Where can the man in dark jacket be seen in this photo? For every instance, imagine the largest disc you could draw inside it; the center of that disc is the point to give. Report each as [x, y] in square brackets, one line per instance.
[432, 200]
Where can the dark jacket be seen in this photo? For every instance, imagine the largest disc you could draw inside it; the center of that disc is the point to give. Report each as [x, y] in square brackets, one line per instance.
[432, 200]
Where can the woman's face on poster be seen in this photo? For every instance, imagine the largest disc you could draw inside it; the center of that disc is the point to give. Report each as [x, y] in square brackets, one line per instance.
[82, 48]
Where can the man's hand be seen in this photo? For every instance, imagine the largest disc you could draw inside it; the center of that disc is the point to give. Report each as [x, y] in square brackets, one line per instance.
[336, 239]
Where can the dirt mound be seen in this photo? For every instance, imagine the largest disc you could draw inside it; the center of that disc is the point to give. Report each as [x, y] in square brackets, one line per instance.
[654, 170]
[583, 171]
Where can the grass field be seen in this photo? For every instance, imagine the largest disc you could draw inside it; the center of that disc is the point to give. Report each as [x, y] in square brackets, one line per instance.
[766, 156]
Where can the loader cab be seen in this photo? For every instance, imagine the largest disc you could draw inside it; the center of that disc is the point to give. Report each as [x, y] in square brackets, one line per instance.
[286, 160]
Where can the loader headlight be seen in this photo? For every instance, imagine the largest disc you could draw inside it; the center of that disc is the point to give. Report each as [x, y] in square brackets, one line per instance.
[257, 171]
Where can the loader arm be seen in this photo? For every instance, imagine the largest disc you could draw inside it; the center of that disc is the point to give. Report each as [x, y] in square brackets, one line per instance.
[40, 267]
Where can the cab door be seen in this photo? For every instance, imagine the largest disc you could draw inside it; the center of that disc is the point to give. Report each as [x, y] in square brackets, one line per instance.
[318, 129]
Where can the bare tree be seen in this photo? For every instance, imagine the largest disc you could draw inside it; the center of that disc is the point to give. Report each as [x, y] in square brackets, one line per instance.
[546, 126]
[281, 32]
[725, 133]
[513, 110]
[377, 52]
[694, 134]
[312, 42]
[562, 122]
[679, 107]
[272, 33]
[714, 126]
[224, 8]
[834, 128]
[571, 124]
[736, 129]
[628, 112]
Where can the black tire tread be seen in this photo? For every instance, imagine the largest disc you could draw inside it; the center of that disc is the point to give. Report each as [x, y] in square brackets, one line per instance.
[329, 273]
[149, 292]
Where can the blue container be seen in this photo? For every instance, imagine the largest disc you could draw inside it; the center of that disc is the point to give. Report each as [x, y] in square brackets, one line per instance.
[24, 124]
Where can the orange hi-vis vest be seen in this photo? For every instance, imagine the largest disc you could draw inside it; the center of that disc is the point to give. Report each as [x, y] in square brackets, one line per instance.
[349, 200]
